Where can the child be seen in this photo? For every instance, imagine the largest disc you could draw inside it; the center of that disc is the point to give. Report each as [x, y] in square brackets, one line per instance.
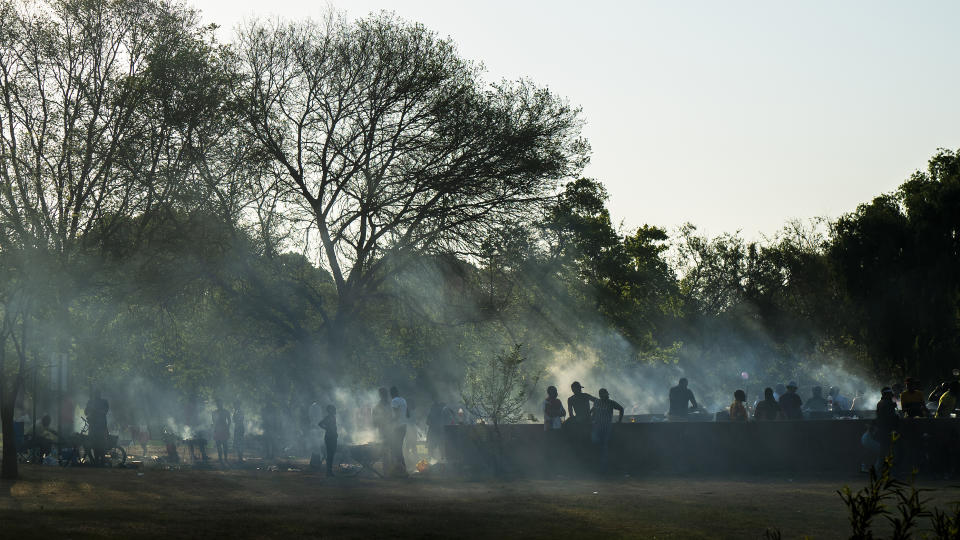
[329, 425]
[553, 411]
[738, 411]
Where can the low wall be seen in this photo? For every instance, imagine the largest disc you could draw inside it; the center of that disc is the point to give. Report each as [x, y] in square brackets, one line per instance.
[806, 446]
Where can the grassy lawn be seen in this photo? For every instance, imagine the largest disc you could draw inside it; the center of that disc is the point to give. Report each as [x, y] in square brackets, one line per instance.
[50, 502]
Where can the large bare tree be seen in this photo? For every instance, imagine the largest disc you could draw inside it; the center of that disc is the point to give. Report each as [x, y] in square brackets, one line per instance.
[387, 144]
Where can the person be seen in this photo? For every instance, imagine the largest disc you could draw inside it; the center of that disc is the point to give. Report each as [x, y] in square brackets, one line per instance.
[221, 431]
[602, 419]
[440, 415]
[239, 431]
[383, 422]
[840, 401]
[44, 438]
[767, 409]
[912, 400]
[329, 425]
[738, 409]
[270, 427]
[553, 411]
[778, 391]
[401, 416]
[96, 412]
[314, 439]
[887, 418]
[948, 400]
[791, 404]
[816, 403]
[680, 395]
[579, 404]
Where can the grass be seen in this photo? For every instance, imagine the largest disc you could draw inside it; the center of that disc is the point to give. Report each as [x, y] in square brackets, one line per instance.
[50, 502]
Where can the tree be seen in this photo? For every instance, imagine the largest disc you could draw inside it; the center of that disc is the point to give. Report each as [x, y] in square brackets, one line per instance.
[386, 142]
[92, 131]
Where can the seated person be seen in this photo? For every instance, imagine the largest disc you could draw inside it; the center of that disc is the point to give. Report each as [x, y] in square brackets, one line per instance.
[912, 400]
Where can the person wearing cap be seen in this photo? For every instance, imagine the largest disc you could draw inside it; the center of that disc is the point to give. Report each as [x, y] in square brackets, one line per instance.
[680, 395]
[790, 403]
[912, 400]
[579, 404]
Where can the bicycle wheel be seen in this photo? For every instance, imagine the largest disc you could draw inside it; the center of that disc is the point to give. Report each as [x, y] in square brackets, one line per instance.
[116, 458]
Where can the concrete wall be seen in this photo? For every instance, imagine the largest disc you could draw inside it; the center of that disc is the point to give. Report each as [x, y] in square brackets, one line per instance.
[756, 447]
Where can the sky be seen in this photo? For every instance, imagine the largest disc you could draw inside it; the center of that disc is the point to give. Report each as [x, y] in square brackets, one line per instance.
[735, 115]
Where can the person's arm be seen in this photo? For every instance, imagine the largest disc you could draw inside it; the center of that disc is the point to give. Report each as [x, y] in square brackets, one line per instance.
[570, 403]
[618, 407]
[693, 400]
[563, 412]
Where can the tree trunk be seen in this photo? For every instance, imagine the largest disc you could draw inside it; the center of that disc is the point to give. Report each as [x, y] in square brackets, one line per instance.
[8, 470]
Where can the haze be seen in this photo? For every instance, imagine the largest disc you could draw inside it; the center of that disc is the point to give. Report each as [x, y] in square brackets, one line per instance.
[729, 115]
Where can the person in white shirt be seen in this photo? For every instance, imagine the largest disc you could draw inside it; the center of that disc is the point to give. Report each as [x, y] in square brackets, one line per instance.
[401, 417]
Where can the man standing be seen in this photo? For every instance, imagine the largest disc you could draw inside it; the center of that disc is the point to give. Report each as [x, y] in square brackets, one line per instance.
[791, 404]
[96, 412]
[680, 396]
[602, 414]
[401, 415]
[239, 431]
[579, 404]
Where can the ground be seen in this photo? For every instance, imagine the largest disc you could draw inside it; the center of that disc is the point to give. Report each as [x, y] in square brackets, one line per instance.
[53, 502]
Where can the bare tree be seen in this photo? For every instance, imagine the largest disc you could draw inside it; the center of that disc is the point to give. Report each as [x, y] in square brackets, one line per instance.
[387, 144]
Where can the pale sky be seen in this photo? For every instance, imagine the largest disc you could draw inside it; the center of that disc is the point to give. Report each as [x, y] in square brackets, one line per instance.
[732, 115]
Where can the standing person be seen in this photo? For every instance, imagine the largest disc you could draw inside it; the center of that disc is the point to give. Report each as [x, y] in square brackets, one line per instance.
[314, 439]
[96, 412]
[840, 401]
[239, 430]
[400, 417]
[912, 401]
[767, 409]
[221, 431]
[579, 404]
[269, 421]
[738, 409]
[329, 425]
[790, 403]
[553, 411]
[816, 403]
[383, 422]
[602, 418]
[680, 396]
[948, 400]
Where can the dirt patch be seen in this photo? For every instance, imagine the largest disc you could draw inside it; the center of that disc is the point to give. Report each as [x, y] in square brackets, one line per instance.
[51, 502]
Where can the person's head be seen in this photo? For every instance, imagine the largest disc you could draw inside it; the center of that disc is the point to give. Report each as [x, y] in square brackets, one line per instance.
[912, 384]
[552, 392]
[740, 395]
[394, 392]
[792, 386]
[834, 391]
[603, 393]
[331, 409]
[45, 421]
[817, 392]
[683, 382]
[886, 393]
[384, 395]
[576, 387]
[219, 403]
[780, 389]
[236, 405]
[96, 394]
[768, 393]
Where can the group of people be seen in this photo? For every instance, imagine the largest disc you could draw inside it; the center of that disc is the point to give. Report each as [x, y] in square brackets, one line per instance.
[784, 403]
[597, 412]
